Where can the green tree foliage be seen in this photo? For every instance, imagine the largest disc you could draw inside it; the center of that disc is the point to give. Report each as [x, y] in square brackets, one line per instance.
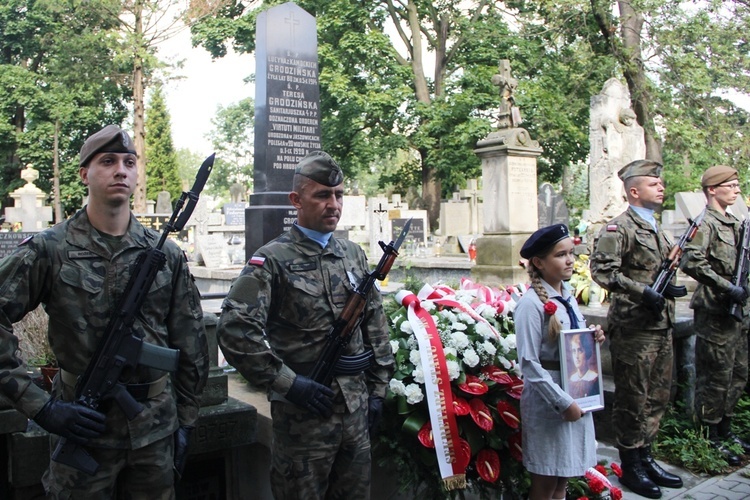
[232, 139]
[161, 158]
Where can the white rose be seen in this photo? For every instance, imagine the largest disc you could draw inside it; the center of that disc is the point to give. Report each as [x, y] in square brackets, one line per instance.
[406, 327]
[445, 313]
[489, 347]
[511, 341]
[397, 387]
[454, 369]
[428, 305]
[471, 358]
[450, 351]
[466, 296]
[504, 344]
[418, 375]
[458, 326]
[394, 346]
[413, 394]
[459, 340]
[484, 330]
[486, 311]
[506, 364]
[415, 358]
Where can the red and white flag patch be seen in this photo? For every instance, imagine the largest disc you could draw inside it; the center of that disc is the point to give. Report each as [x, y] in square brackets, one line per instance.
[611, 227]
[256, 260]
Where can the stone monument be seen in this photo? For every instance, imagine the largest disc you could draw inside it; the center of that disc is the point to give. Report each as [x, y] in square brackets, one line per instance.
[552, 207]
[287, 117]
[509, 191]
[29, 207]
[616, 140]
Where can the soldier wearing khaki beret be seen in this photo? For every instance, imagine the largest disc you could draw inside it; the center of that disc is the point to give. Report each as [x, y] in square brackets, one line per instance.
[273, 328]
[721, 345]
[626, 260]
[78, 271]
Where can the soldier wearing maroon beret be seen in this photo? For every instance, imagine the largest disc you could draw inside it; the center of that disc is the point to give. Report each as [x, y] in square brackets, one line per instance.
[626, 260]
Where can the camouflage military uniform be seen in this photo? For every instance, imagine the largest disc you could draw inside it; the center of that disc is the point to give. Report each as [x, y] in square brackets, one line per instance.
[721, 347]
[273, 326]
[626, 259]
[72, 271]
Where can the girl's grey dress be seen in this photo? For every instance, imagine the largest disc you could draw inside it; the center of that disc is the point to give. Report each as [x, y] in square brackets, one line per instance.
[551, 446]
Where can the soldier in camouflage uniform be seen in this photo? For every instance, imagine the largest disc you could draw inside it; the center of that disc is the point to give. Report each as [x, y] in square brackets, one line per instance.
[273, 327]
[628, 253]
[721, 344]
[78, 270]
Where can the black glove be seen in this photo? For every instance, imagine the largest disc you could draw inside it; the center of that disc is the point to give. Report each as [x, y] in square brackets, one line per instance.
[79, 423]
[674, 291]
[653, 301]
[181, 442]
[737, 293]
[374, 414]
[311, 395]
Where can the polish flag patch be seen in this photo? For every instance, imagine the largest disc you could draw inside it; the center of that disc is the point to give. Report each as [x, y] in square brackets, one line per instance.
[611, 227]
[256, 260]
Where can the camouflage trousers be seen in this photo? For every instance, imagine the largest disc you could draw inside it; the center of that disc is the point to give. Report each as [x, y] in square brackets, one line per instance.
[142, 474]
[720, 365]
[642, 368]
[317, 458]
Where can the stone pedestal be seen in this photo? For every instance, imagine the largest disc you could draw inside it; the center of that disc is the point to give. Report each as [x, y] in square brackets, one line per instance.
[510, 204]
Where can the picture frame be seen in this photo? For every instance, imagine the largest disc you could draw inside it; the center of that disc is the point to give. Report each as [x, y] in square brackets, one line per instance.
[581, 368]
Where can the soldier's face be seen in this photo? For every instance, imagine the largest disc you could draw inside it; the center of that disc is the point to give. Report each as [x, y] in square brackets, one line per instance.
[557, 266]
[111, 177]
[318, 206]
[648, 193]
[726, 193]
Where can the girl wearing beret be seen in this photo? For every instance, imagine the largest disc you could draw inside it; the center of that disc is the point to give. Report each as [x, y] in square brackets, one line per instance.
[558, 437]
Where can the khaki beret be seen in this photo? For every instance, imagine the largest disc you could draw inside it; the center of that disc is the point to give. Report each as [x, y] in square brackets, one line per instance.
[718, 174]
[321, 168]
[543, 239]
[640, 168]
[110, 139]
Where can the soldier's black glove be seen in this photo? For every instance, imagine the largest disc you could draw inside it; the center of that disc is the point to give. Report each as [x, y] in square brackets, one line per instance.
[311, 395]
[737, 293]
[79, 423]
[374, 414]
[674, 291]
[652, 300]
[181, 442]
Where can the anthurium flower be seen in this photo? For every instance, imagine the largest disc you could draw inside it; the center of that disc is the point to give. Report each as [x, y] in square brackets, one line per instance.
[488, 465]
[509, 414]
[473, 385]
[460, 406]
[464, 454]
[497, 375]
[514, 443]
[516, 388]
[425, 435]
[481, 414]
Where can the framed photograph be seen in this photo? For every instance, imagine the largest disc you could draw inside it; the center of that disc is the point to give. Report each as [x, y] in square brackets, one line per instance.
[581, 368]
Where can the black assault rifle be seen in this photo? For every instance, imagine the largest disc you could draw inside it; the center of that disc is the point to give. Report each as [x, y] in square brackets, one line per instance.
[122, 348]
[669, 266]
[331, 361]
[741, 268]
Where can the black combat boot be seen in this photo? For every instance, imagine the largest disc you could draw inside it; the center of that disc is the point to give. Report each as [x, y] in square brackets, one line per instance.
[634, 476]
[718, 443]
[725, 432]
[655, 472]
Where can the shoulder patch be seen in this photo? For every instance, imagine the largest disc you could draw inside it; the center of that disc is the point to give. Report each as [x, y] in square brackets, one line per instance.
[611, 227]
[26, 240]
[256, 260]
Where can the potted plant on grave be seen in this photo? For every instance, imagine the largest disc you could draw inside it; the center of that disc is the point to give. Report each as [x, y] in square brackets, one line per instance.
[34, 346]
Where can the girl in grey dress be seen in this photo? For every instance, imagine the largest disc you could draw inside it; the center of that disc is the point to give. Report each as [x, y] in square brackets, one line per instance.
[558, 438]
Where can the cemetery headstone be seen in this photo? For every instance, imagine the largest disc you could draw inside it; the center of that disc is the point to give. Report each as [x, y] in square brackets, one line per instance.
[163, 203]
[552, 207]
[287, 116]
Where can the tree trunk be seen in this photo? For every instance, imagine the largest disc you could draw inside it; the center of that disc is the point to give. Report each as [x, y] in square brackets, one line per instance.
[631, 23]
[139, 129]
[431, 190]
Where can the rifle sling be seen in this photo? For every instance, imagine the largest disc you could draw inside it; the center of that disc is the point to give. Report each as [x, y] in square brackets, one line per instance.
[346, 365]
[140, 392]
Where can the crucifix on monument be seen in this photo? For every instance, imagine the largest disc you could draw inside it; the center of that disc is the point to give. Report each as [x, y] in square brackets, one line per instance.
[510, 115]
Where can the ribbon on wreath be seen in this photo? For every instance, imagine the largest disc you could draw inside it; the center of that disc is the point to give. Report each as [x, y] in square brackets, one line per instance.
[438, 391]
[445, 296]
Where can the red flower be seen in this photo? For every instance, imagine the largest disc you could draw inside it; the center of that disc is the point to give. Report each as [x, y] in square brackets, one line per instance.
[616, 493]
[425, 435]
[516, 388]
[514, 443]
[509, 414]
[488, 465]
[460, 406]
[550, 308]
[596, 485]
[616, 469]
[474, 385]
[583, 498]
[497, 375]
[463, 457]
[601, 469]
[481, 414]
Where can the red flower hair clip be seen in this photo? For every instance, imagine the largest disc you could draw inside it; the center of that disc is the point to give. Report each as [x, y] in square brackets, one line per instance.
[550, 308]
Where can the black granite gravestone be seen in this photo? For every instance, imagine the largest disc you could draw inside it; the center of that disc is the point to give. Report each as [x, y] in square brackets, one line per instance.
[287, 117]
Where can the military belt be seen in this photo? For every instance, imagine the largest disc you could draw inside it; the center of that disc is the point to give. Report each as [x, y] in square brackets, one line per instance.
[549, 364]
[140, 392]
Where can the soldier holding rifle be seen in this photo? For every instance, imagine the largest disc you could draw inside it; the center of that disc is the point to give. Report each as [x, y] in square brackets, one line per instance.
[721, 346]
[273, 330]
[78, 270]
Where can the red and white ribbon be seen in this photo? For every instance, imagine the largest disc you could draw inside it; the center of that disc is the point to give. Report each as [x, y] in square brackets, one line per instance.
[438, 390]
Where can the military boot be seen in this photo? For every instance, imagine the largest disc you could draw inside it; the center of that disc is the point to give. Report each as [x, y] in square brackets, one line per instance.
[718, 443]
[655, 472]
[725, 432]
[634, 476]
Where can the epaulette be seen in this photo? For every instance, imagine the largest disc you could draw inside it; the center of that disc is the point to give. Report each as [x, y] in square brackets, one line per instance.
[611, 227]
